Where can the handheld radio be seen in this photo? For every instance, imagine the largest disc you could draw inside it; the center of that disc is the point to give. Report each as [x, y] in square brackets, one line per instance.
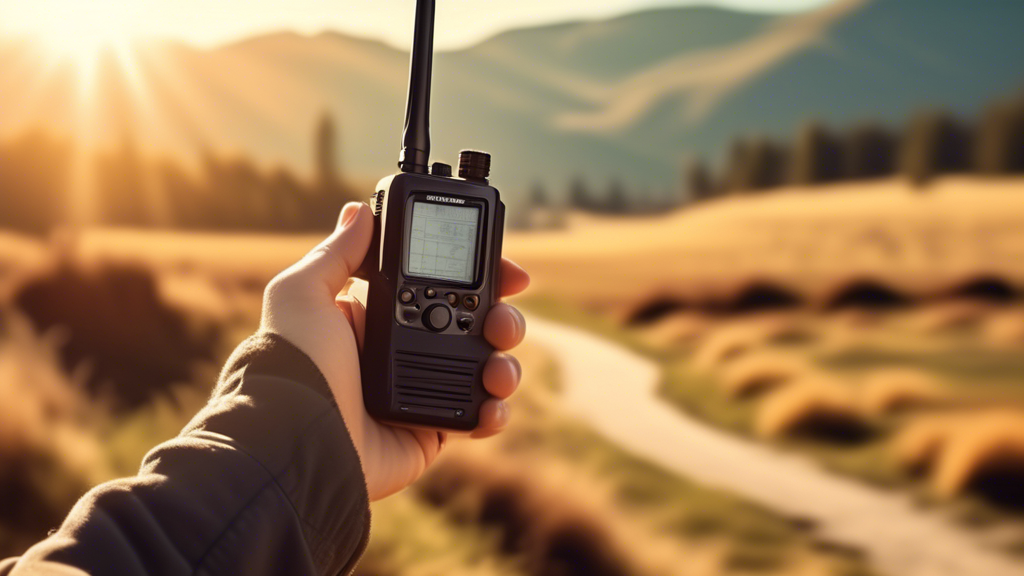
[432, 270]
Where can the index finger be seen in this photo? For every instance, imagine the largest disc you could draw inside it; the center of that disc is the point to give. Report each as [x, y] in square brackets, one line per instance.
[513, 278]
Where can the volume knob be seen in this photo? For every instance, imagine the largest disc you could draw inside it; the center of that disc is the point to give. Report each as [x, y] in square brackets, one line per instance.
[474, 165]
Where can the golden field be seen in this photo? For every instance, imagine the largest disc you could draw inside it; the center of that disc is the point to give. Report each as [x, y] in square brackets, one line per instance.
[923, 396]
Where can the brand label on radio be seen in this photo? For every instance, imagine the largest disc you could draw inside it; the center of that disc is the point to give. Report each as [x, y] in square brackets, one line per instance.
[445, 199]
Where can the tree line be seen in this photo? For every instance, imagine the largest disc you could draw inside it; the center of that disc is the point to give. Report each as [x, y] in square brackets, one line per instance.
[225, 193]
[615, 197]
[931, 144]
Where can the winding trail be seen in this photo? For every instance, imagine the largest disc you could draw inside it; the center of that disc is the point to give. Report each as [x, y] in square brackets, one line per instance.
[615, 390]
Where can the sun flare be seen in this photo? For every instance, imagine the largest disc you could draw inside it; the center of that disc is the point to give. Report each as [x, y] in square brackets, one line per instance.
[83, 31]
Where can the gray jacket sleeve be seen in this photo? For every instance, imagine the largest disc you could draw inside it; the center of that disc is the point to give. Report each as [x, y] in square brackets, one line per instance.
[265, 480]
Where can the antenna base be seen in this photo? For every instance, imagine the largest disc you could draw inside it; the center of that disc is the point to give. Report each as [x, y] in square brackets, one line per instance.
[413, 160]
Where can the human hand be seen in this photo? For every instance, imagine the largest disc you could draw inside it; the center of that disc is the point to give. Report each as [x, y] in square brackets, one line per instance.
[303, 305]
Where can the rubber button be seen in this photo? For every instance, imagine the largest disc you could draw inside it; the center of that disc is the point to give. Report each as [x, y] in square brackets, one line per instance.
[430, 293]
[465, 323]
[471, 302]
[453, 298]
[406, 296]
[437, 317]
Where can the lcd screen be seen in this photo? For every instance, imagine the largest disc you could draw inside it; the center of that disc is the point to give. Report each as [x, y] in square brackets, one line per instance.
[442, 242]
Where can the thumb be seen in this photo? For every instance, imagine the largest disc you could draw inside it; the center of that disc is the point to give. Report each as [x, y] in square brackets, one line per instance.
[336, 258]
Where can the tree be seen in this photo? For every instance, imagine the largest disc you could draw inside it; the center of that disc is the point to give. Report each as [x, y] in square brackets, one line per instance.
[697, 183]
[326, 155]
[120, 185]
[579, 195]
[817, 156]
[935, 143]
[767, 164]
[999, 142]
[616, 202]
[538, 195]
[754, 164]
[34, 174]
[870, 153]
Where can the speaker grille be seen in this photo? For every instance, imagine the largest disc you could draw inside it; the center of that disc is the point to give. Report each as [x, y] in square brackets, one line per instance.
[434, 380]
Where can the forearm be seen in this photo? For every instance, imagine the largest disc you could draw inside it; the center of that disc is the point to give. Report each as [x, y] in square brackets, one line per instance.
[264, 480]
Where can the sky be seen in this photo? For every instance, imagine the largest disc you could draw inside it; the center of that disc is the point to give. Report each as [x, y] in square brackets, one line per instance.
[206, 23]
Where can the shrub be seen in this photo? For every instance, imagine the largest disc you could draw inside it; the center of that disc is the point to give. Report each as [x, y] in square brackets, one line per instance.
[813, 408]
[888, 390]
[762, 371]
[116, 326]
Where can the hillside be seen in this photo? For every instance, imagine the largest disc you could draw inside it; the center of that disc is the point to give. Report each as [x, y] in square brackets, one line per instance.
[625, 97]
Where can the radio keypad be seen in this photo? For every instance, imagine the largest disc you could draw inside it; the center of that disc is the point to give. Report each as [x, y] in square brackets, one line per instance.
[453, 314]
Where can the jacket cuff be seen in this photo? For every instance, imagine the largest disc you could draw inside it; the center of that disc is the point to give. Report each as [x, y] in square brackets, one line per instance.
[273, 403]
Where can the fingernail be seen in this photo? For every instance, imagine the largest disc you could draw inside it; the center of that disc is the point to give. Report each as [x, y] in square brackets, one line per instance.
[517, 368]
[348, 214]
[512, 371]
[520, 323]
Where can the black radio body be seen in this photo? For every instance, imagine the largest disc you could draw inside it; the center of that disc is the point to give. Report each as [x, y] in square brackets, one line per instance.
[432, 271]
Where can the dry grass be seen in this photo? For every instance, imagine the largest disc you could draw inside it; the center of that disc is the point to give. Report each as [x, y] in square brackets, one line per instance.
[990, 442]
[887, 390]
[117, 330]
[729, 342]
[803, 239]
[918, 445]
[1005, 328]
[51, 448]
[762, 371]
[950, 315]
[677, 328]
[978, 451]
[816, 407]
[535, 515]
[44, 409]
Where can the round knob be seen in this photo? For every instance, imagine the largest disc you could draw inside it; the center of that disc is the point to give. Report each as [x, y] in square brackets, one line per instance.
[474, 165]
[437, 317]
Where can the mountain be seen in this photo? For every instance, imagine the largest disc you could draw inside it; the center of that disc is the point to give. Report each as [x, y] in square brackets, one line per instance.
[626, 97]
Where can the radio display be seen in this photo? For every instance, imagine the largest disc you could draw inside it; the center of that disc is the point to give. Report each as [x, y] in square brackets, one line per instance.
[442, 241]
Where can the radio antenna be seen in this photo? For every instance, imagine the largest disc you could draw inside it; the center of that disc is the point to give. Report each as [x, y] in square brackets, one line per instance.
[416, 138]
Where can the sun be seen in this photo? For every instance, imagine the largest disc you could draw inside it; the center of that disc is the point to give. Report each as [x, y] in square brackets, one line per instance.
[81, 31]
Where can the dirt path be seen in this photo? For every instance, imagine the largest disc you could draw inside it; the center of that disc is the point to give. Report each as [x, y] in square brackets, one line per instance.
[615, 390]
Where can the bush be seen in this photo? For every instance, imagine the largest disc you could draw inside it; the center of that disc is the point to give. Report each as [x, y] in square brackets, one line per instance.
[132, 344]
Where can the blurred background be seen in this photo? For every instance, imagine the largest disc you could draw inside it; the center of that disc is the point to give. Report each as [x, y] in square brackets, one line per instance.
[776, 324]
